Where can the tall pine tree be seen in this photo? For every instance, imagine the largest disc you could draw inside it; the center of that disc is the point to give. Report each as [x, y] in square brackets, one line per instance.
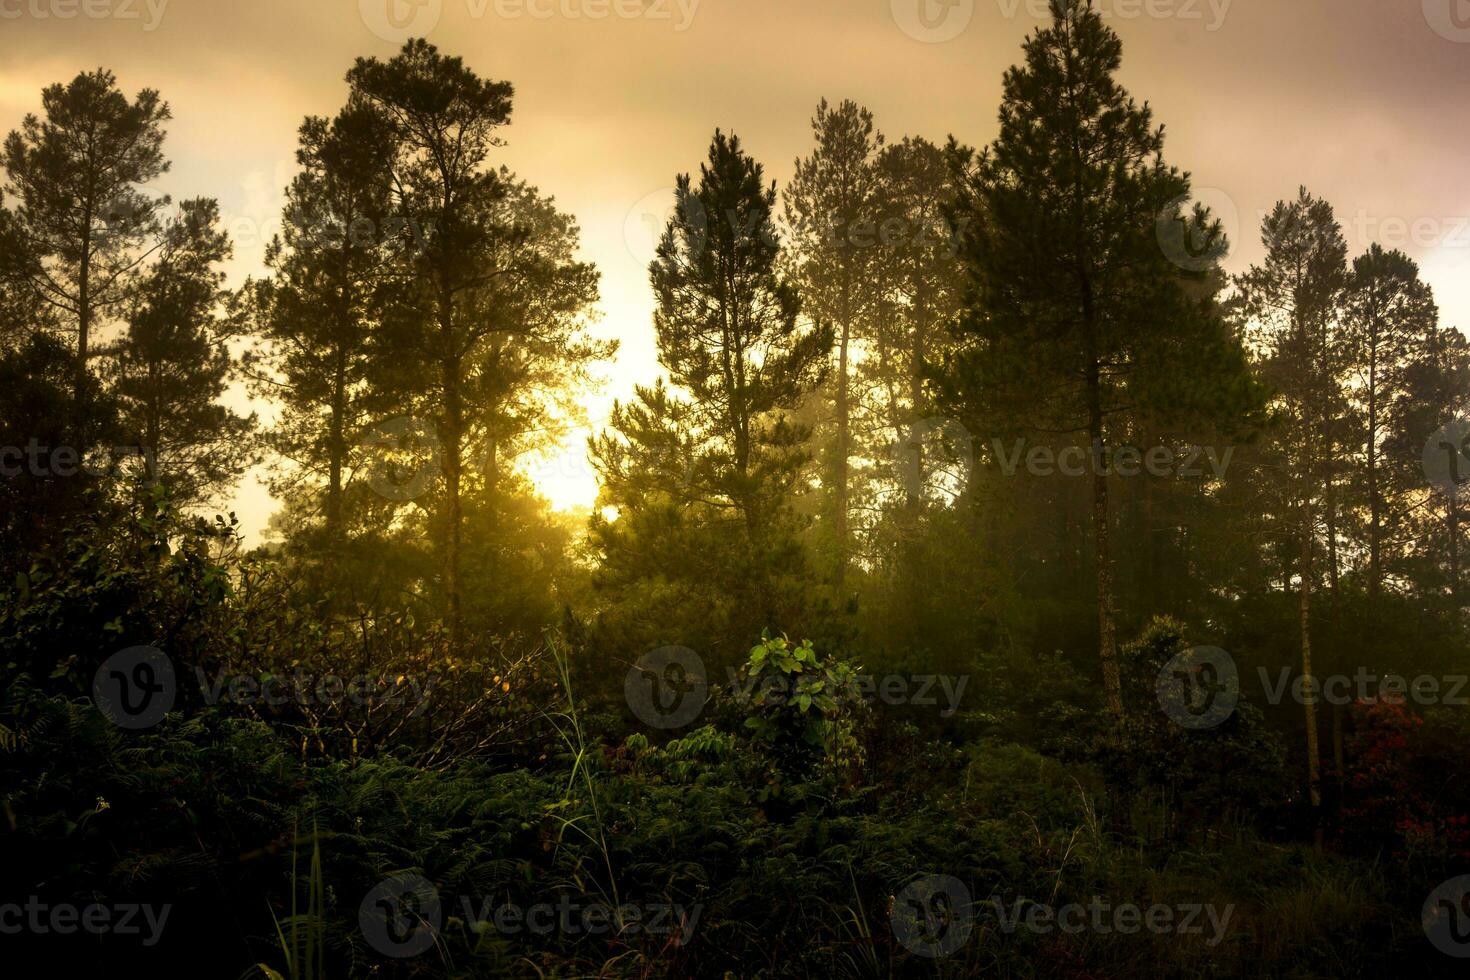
[1080, 321]
[703, 475]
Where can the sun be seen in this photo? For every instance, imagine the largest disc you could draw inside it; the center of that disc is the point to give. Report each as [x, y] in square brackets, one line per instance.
[565, 476]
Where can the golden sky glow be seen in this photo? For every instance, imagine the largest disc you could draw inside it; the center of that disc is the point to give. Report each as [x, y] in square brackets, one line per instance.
[1363, 102]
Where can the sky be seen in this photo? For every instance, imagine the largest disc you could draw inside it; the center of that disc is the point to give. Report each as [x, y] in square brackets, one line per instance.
[1362, 101]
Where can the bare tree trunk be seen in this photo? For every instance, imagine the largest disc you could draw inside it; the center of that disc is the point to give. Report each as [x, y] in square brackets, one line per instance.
[916, 400]
[844, 435]
[336, 447]
[492, 506]
[84, 327]
[1331, 522]
[153, 426]
[1375, 503]
[1314, 769]
[1102, 554]
[450, 451]
[1107, 628]
[843, 451]
[1454, 518]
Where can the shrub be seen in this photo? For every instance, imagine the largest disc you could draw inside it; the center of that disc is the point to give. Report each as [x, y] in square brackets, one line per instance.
[802, 710]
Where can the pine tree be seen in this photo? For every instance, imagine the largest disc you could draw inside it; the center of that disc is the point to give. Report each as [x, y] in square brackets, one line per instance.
[536, 357]
[1436, 393]
[483, 330]
[444, 120]
[728, 334]
[920, 296]
[332, 273]
[22, 311]
[832, 212]
[702, 474]
[1080, 321]
[1294, 299]
[174, 365]
[1388, 316]
[77, 174]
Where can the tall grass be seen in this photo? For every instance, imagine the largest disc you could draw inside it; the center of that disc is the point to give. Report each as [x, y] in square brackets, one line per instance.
[302, 936]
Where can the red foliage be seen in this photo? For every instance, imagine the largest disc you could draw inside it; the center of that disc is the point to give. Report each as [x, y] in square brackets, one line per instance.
[1399, 787]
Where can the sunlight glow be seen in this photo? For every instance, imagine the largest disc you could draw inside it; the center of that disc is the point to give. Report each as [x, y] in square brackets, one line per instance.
[566, 478]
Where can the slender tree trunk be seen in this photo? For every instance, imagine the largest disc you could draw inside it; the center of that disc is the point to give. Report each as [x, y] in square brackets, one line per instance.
[916, 442]
[1375, 503]
[450, 453]
[1107, 628]
[1334, 609]
[1150, 579]
[336, 448]
[916, 399]
[1314, 769]
[1454, 519]
[843, 443]
[1330, 503]
[739, 420]
[84, 321]
[492, 506]
[844, 447]
[1329, 515]
[1102, 555]
[153, 425]
[1106, 625]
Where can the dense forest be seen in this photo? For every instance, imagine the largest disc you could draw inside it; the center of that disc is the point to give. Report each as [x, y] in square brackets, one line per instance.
[988, 584]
